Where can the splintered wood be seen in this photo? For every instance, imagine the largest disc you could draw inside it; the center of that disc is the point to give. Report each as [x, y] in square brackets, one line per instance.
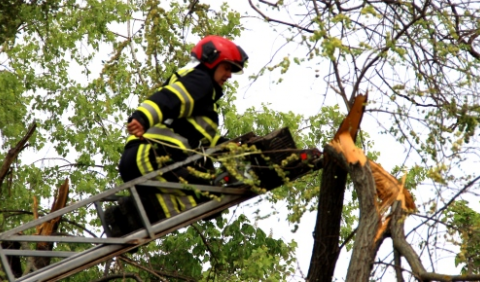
[388, 188]
[48, 228]
[59, 201]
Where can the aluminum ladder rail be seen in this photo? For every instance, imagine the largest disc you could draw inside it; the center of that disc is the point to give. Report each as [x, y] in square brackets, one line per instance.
[107, 248]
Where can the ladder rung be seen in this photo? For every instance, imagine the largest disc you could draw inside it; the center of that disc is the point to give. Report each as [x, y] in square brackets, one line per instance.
[33, 253]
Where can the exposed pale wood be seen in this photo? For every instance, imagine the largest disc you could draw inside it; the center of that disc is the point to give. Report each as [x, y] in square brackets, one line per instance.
[344, 145]
[351, 123]
[389, 189]
[50, 227]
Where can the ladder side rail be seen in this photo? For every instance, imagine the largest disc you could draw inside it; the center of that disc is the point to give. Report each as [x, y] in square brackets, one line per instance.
[141, 211]
[66, 239]
[6, 265]
[102, 195]
[91, 257]
[101, 216]
[207, 188]
[110, 240]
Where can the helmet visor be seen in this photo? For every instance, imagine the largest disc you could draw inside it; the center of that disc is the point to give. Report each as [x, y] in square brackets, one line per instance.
[237, 68]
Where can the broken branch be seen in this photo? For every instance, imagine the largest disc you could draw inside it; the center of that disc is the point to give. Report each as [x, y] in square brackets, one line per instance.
[13, 153]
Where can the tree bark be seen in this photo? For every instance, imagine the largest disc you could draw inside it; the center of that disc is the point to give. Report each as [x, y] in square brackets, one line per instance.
[364, 248]
[327, 231]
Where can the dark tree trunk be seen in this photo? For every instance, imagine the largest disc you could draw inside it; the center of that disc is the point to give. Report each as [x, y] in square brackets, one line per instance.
[327, 230]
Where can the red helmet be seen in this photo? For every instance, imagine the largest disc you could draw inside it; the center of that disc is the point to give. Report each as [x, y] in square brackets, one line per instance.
[213, 50]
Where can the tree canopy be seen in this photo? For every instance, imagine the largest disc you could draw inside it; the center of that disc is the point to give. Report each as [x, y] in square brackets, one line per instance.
[72, 71]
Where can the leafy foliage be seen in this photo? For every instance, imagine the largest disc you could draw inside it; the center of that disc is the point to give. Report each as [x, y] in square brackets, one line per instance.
[465, 222]
[51, 74]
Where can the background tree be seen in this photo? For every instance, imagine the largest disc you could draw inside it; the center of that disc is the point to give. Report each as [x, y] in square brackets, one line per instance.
[419, 63]
[77, 69]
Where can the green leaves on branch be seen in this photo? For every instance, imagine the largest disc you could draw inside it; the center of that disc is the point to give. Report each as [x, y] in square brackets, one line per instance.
[463, 221]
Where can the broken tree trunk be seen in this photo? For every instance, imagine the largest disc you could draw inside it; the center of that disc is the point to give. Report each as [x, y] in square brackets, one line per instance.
[352, 159]
[377, 190]
[50, 227]
[330, 204]
[364, 248]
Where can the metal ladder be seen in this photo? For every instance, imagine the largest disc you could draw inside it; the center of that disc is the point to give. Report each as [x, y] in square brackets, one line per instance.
[107, 248]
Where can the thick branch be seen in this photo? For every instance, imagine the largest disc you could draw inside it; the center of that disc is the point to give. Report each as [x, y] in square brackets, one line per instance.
[398, 265]
[13, 153]
[364, 249]
[406, 250]
[399, 242]
[332, 190]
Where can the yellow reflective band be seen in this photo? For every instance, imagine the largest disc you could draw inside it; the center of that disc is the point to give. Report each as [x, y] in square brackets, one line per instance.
[211, 123]
[131, 138]
[205, 126]
[143, 161]
[192, 201]
[186, 202]
[173, 79]
[154, 110]
[186, 100]
[183, 72]
[200, 129]
[165, 209]
[181, 204]
[173, 199]
[192, 102]
[169, 204]
[172, 140]
[147, 114]
[161, 179]
[215, 140]
[161, 132]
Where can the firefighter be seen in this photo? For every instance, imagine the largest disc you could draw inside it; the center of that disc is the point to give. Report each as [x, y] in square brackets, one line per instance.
[181, 116]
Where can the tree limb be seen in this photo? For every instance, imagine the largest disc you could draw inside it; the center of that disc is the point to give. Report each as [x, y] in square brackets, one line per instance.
[268, 19]
[13, 153]
[119, 276]
[406, 250]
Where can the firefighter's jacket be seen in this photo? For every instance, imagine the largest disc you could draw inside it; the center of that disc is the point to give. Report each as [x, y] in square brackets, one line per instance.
[183, 113]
